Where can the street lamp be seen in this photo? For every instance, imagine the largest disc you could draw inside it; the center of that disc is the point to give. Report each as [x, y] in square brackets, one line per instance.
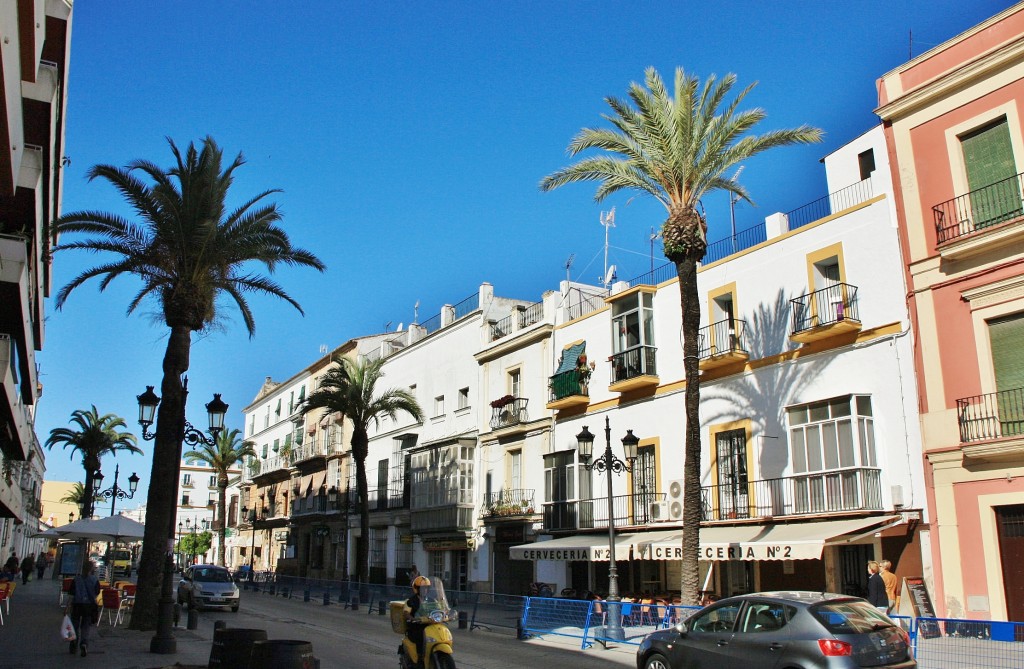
[114, 493]
[609, 463]
[251, 515]
[163, 641]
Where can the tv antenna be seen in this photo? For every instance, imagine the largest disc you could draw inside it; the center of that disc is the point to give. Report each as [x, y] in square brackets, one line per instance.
[416, 312]
[323, 348]
[387, 325]
[733, 199]
[608, 221]
[568, 264]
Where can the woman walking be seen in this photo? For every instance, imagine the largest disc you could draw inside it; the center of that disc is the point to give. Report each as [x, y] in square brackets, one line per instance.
[83, 606]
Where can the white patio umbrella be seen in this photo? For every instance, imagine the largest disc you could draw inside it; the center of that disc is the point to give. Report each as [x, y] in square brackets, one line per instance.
[48, 533]
[111, 528]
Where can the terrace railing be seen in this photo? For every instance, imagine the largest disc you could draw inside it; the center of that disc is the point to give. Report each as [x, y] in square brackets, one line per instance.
[585, 514]
[634, 362]
[833, 304]
[725, 336]
[991, 416]
[979, 209]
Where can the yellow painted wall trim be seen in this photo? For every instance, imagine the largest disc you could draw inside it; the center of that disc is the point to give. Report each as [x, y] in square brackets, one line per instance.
[642, 288]
[582, 318]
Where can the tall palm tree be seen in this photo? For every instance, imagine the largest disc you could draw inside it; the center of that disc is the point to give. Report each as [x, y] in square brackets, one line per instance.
[676, 148]
[351, 389]
[188, 249]
[93, 437]
[76, 494]
[227, 452]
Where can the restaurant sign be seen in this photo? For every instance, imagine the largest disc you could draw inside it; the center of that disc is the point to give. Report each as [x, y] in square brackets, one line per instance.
[446, 544]
[737, 551]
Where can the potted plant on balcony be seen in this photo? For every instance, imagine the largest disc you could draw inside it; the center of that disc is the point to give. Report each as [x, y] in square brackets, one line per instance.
[502, 402]
[583, 372]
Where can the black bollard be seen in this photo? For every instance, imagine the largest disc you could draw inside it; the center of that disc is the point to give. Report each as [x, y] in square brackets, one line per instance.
[305, 595]
[327, 597]
[219, 625]
[355, 602]
[382, 607]
[193, 619]
[463, 619]
[177, 613]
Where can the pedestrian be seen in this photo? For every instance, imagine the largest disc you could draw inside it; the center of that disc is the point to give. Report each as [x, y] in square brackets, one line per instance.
[84, 609]
[28, 565]
[12, 562]
[41, 563]
[891, 585]
[8, 574]
[876, 588]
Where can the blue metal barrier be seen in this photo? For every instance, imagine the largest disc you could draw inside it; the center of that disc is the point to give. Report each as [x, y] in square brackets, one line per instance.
[949, 643]
[559, 617]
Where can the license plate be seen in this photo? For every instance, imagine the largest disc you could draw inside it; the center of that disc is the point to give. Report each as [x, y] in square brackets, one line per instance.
[216, 599]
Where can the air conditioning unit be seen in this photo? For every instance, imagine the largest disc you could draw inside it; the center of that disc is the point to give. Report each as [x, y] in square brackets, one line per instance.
[675, 500]
[658, 512]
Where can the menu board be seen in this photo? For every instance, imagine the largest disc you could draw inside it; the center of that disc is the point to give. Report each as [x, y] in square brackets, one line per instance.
[70, 559]
[922, 604]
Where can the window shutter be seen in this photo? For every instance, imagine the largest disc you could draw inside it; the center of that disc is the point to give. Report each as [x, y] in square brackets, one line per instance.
[1007, 337]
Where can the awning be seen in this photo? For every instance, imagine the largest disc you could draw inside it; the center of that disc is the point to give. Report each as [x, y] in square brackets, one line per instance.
[570, 356]
[792, 541]
[316, 481]
[584, 547]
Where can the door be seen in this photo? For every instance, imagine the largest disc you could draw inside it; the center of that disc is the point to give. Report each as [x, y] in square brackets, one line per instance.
[733, 498]
[853, 561]
[707, 644]
[1010, 522]
[761, 636]
[644, 485]
[991, 174]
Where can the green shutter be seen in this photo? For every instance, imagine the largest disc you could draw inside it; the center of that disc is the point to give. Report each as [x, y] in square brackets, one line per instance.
[988, 158]
[1007, 338]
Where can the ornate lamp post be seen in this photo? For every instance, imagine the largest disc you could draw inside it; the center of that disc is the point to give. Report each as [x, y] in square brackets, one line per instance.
[114, 493]
[163, 641]
[609, 463]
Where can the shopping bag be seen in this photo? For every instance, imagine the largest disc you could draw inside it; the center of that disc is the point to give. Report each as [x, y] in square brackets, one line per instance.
[67, 630]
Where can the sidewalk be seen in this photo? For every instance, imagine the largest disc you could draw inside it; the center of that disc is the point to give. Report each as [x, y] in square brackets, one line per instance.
[30, 638]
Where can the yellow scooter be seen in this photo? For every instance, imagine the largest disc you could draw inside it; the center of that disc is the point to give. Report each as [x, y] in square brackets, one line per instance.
[432, 618]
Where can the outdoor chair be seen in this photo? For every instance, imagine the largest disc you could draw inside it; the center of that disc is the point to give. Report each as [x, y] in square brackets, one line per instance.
[127, 603]
[111, 604]
[6, 590]
[66, 589]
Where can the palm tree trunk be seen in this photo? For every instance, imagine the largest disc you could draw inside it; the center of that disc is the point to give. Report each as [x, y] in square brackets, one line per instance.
[163, 488]
[360, 443]
[686, 269]
[222, 498]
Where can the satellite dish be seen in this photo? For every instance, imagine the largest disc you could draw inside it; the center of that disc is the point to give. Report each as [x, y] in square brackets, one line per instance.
[609, 275]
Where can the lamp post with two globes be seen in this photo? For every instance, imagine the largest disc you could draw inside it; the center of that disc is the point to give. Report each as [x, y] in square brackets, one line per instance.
[609, 463]
[164, 642]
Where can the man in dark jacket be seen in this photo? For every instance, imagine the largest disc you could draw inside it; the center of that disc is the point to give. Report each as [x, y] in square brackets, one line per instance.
[28, 565]
[83, 605]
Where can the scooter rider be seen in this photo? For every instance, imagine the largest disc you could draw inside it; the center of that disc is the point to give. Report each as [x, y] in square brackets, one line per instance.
[414, 628]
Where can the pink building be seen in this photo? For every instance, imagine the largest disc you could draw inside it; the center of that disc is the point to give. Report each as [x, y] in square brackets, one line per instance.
[954, 122]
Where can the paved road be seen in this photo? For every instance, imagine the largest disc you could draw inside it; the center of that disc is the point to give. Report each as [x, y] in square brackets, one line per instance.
[347, 639]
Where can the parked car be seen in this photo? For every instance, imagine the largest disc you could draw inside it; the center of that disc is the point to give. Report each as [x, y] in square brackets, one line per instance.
[208, 586]
[121, 561]
[811, 630]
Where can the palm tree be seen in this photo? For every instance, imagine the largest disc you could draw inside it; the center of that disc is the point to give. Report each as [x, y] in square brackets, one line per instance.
[76, 495]
[94, 437]
[676, 148]
[188, 249]
[351, 389]
[228, 451]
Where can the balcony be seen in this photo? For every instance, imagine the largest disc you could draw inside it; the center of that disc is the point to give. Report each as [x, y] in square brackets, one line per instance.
[984, 218]
[568, 390]
[721, 343]
[522, 317]
[314, 504]
[825, 313]
[991, 416]
[318, 448]
[634, 368]
[589, 514]
[383, 499]
[508, 411]
[853, 489]
[514, 503]
[443, 519]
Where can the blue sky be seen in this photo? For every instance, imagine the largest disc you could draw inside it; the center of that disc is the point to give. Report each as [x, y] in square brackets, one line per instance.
[409, 139]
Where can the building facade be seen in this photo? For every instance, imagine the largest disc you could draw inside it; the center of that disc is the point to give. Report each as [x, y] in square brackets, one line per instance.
[34, 66]
[953, 122]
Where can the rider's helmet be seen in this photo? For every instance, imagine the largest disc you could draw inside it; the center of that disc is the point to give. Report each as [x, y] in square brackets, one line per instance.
[419, 582]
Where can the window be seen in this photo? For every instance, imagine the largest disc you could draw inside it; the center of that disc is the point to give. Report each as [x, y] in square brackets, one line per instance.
[277, 445]
[439, 406]
[277, 409]
[213, 481]
[514, 378]
[252, 425]
[212, 501]
[379, 547]
[291, 402]
[633, 322]
[988, 160]
[266, 418]
[412, 390]
[731, 449]
[515, 469]
[644, 483]
[764, 617]
[184, 499]
[719, 619]
[1006, 336]
[265, 447]
[186, 479]
[382, 484]
[560, 478]
[443, 476]
[463, 398]
[866, 162]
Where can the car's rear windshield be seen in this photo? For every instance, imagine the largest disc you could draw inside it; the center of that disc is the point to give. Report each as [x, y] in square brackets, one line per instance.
[849, 617]
[122, 555]
[212, 575]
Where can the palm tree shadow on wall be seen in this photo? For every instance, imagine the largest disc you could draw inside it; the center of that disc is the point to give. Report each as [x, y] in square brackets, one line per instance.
[761, 395]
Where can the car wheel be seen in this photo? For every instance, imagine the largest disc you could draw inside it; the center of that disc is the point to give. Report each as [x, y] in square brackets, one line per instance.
[656, 661]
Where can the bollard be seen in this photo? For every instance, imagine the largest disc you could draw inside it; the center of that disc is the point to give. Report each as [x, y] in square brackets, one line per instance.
[463, 619]
[286, 591]
[327, 597]
[382, 607]
[355, 602]
[177, 613]
[305, 595]
[193, 619]
[520, 632]
[219, 625]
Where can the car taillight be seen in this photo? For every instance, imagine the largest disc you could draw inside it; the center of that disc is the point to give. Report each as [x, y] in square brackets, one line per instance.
[906, 638]
[834, 648]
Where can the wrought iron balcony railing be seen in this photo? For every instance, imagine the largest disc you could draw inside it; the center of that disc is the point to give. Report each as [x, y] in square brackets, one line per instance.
[979, 209]
[509, 502]
[828, 306]
[512, 413]
[585, 514]
[634, 362]
[991, 416]
[383, 499]
[520, 318]
[569, 383]
[721, 338]
[853, 489]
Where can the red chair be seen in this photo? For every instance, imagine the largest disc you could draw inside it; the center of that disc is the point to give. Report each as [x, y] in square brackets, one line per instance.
[111, 604]
[66, 588]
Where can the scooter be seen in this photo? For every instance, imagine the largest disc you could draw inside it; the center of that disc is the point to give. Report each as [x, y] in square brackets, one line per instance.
[433, 615]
